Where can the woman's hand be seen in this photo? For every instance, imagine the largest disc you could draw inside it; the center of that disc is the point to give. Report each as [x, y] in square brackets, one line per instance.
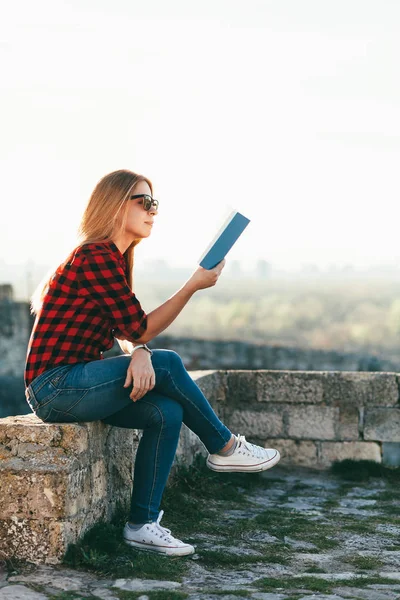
[204, 278]
[141, 374]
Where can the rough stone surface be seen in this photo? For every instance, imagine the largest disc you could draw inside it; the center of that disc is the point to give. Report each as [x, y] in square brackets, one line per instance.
[391, 454]
[382, 424]
[312, 422]
[242, 388]
[261, 424]
[53, 489]
[289, 386]
[145, 585]
[348, 423]
[20, 592]
[336, 451]
[294, 452]
[360, 389]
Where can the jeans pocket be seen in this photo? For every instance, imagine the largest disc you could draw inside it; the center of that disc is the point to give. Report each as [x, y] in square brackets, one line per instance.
[59, 374]
[45, 388]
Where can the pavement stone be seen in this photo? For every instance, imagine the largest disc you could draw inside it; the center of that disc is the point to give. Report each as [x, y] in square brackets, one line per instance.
[300, 492]
[366, 594]
[145, 585]
[20, 592]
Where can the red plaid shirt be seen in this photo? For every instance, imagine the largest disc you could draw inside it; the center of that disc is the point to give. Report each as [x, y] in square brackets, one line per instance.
[88, 302]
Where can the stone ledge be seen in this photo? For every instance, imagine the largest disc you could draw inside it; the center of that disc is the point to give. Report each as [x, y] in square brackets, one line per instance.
[336, 388]
[59, 479]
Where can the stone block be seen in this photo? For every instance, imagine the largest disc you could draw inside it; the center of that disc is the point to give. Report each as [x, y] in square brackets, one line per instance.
[259, 424]
[347, 425]
[382, 424]
[360, 389]
[28, 428]
[312, 422]
[41, 541]
[300, 453]
[289, 387]
[213, 384]
[242, 388]
[391, 454]
[329, 452]
[53, 487]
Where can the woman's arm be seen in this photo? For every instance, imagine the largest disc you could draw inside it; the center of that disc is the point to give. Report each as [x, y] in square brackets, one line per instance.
[161, 317]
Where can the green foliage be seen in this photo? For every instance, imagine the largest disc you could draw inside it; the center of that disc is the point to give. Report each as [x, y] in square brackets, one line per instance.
[218, 558]
[365, 562]
[350, 315]
[282, 522]
[312, 584]
[362, 470]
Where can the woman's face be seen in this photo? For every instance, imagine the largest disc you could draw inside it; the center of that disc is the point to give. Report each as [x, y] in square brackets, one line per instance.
[139, 221]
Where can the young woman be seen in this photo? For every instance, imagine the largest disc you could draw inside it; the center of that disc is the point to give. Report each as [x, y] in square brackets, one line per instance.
[87, 302]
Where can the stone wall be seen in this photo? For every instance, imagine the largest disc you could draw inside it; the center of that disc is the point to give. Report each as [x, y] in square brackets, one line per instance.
[57, 480]
[315, 418]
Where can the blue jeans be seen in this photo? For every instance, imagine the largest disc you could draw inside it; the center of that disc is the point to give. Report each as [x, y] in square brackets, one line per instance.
[94, 391]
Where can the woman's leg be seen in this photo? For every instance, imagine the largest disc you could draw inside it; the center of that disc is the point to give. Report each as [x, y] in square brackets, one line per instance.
[161, 419]
[94, 391]
[173, 380]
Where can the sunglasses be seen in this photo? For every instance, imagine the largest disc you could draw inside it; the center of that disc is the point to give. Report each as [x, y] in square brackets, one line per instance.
[148, 201]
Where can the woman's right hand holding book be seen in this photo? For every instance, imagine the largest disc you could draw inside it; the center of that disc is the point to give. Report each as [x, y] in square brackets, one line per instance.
[205, 278]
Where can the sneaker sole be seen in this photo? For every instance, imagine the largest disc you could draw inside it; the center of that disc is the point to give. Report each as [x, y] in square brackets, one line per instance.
[158, 550]
[245, 468]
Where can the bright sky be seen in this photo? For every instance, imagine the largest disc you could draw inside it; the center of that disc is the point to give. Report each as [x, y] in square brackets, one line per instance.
[288, 110]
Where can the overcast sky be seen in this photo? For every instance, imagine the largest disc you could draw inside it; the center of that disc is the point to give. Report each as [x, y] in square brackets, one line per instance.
[288, 110]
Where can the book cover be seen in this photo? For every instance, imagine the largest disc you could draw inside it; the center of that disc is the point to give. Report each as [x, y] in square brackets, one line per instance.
[224, 239]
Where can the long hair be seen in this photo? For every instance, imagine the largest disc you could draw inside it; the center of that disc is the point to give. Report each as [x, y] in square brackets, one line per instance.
[104, 217]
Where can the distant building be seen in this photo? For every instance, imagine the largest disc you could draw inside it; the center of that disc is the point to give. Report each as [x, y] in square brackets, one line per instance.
[234, 269]
[6, 292]
[263, 269]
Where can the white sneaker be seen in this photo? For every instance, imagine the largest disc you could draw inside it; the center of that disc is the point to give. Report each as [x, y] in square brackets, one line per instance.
[246, 457]
[154, 538]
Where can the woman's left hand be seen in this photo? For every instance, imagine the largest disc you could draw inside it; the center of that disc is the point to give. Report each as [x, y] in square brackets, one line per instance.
[141, 374]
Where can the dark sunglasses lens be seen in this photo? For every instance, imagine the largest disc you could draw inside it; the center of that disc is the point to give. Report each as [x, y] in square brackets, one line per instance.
[148, 202]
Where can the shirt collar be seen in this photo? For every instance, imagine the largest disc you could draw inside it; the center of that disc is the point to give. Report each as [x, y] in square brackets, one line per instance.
[117, 252]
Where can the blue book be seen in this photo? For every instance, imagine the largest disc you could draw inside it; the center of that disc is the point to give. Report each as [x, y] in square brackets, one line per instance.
[223, 241]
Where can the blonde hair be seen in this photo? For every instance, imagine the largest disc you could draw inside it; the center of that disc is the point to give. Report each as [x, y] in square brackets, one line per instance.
[104, 217]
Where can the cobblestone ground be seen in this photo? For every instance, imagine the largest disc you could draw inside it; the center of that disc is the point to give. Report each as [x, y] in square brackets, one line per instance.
[300, 535]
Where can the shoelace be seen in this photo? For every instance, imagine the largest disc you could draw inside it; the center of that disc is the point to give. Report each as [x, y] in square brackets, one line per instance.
[256, 451]
[165, 533]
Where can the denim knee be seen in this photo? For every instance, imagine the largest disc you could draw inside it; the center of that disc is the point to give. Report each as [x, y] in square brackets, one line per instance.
[174, 359]
[167, 415]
